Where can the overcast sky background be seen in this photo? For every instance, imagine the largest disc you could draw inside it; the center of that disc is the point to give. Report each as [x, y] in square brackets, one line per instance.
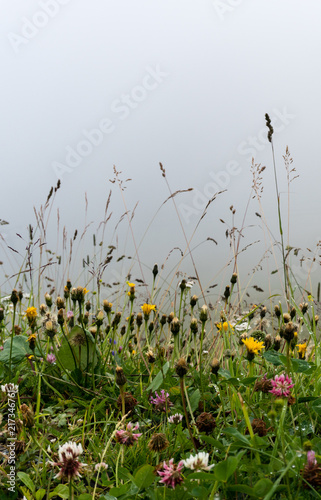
[184, 83]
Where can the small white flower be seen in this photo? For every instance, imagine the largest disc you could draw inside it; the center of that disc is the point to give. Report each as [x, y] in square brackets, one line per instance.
[9, 388]
[69, 450]
[189, 284]
[175, 419]
[198, 462]
[101, 465]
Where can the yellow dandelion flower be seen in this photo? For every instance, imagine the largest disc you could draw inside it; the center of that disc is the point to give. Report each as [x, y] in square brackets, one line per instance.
[131, 285]
[302, 349]
[147, 308]
[133, 352]
[252, 345]
[31, 313]
[224, 326]
[85, 291]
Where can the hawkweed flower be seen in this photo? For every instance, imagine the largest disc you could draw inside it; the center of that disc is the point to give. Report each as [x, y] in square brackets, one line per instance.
[253, 347]
[175, 419]
[128, 437]
[161, 402]
[32, 341]
[147, 309]
[31, 314]
[171, 473]
[198, 462]
[302, 349]
[224, 326]
[68, 462]
[281, 385]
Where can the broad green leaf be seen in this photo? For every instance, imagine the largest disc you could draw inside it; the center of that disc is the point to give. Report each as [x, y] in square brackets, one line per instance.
[85, 496]
[121, 490]
[195, 399]
[242, 488]
[231, 431]
[273, 357]
[262, 487]
[62, 491]
[40, 494]
[20, 350]
[223, 470]
[202, 476]
[144, 476]
[316, 406]
[68, 352]
[26, 480]
[224, 373]
[158, 380]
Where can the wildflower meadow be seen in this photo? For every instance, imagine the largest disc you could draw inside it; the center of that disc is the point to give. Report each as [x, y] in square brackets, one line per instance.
[155, 390]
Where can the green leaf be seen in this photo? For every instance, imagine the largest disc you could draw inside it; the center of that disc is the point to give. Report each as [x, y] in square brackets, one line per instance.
[85, 496]
[158, 380]
[214, 442]
[224, 373]
[202, 476]
[316, 406]
[26, 480]
[235, 433]
[195, 399]
[223, 470]
[68, 352]
[121, 490]
[262, 487]
[242, 488]
[62, 491]
[248, 381]
[40, 494]
[20, 350]
[144, 476]
[199, 492]
[273, 357]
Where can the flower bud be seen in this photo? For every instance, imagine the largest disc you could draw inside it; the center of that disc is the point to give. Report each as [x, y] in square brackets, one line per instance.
[175, 326]
[181, 367]
[203, 314]
[155, 270]
[14, 297]
[215, 366]
[163, 319]
[120, 378]
[48, 299]
[193, 301]
[234, 278]
[60, 303]
[107, 306]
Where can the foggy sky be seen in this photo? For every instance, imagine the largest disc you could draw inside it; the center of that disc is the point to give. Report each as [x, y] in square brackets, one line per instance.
[88, 85]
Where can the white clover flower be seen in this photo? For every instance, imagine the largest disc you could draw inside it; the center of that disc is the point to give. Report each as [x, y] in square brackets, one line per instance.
[101, 465]
[9, 388]
[198, 462]
[175, 419]
[68, 462]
